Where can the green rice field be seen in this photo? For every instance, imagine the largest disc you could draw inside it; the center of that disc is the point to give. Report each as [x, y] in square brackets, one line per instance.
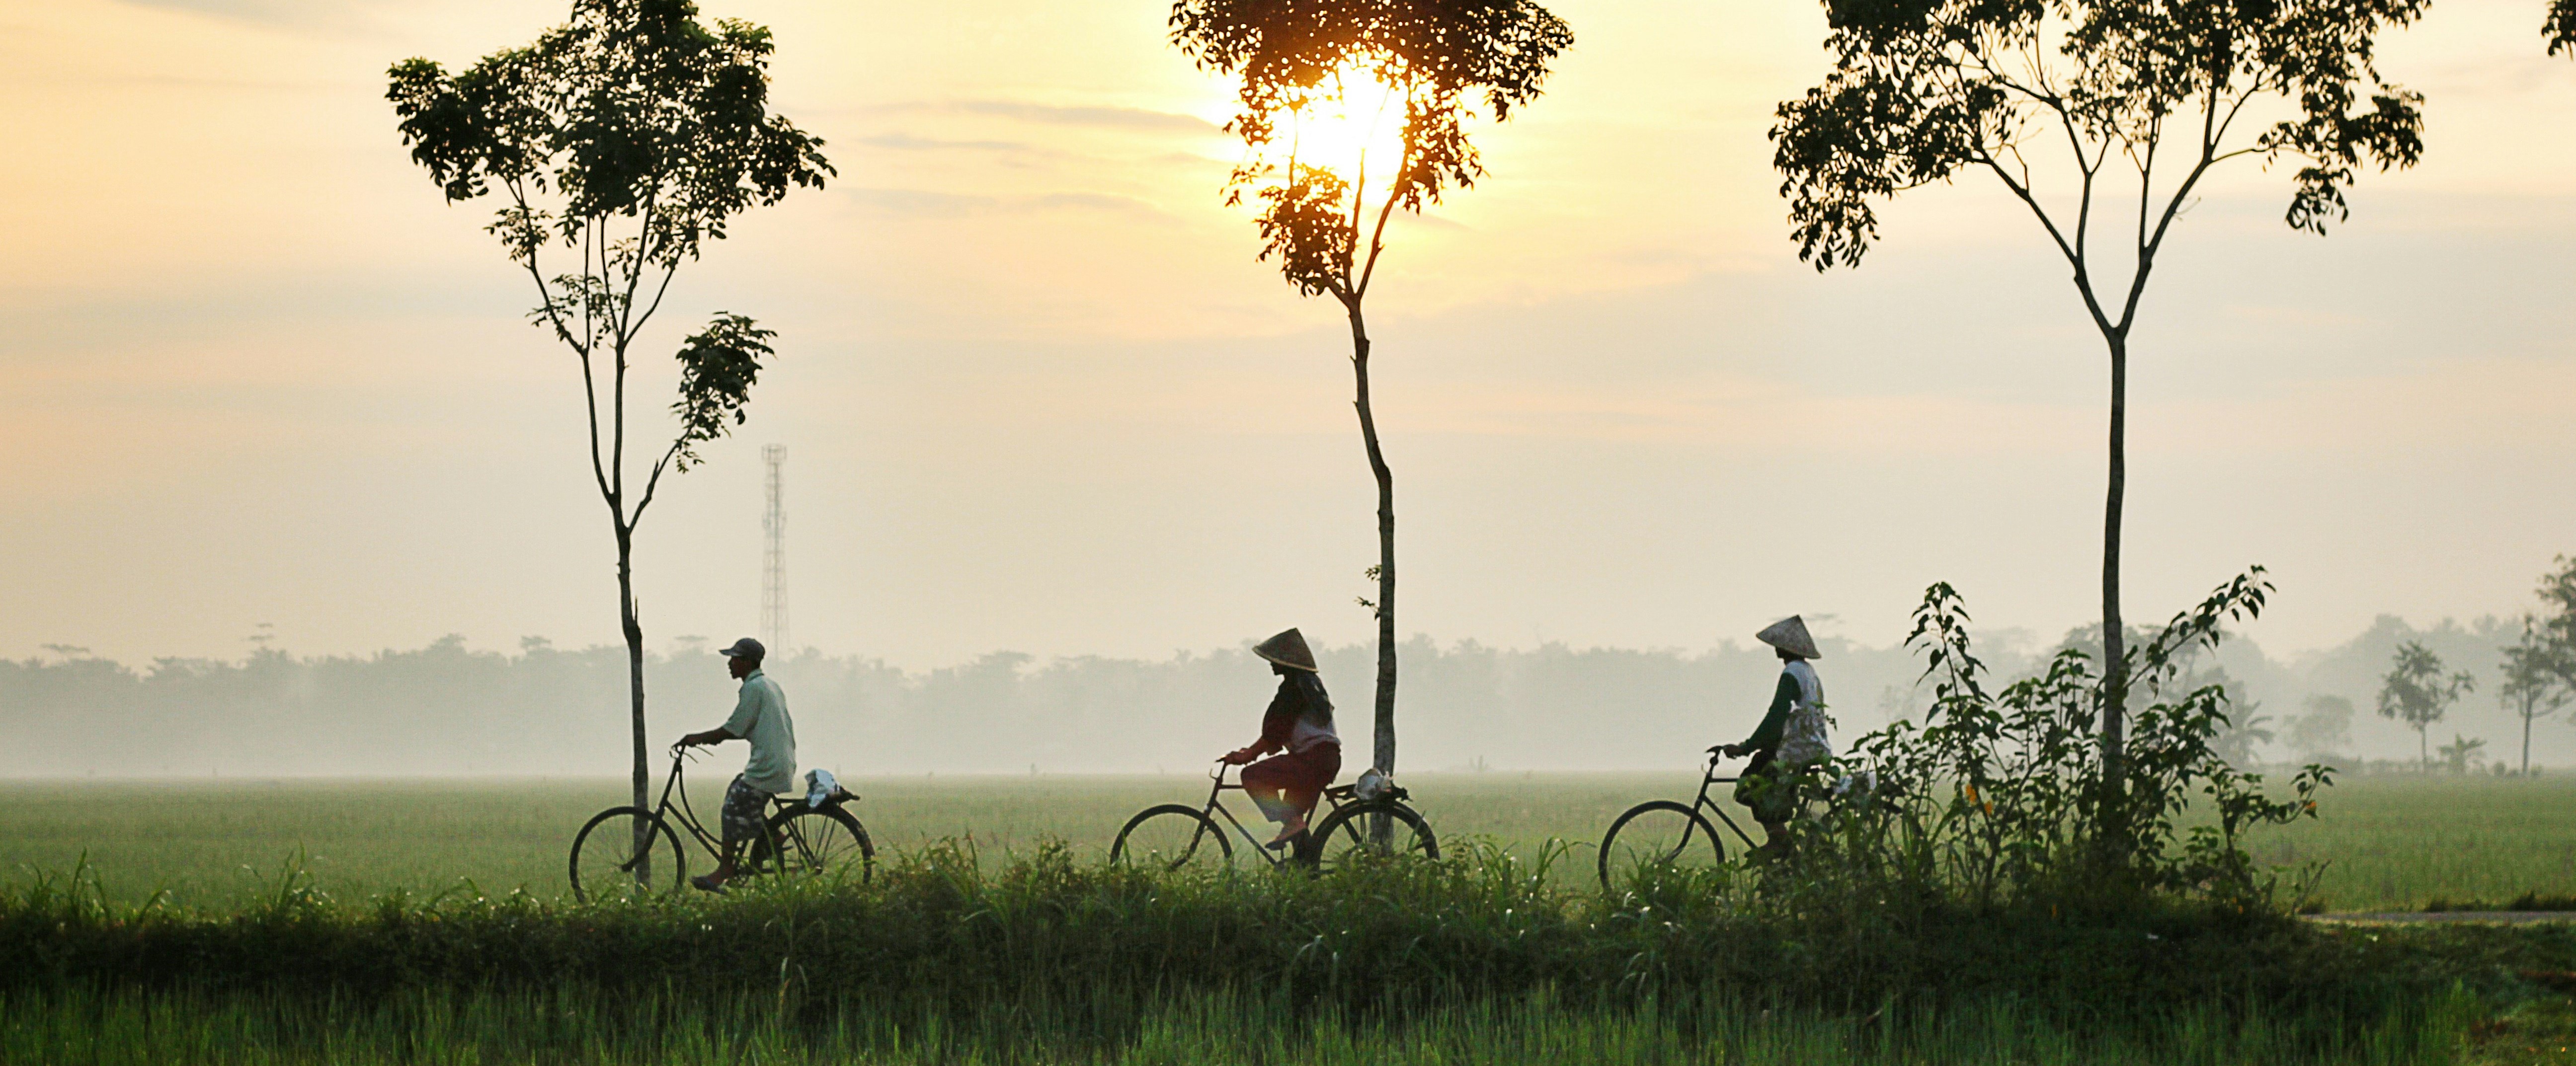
[577, 1029]
[2385, 842]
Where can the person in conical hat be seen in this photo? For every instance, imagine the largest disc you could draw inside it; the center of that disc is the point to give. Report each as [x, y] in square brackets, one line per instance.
[1791, 740]
[1299, 725]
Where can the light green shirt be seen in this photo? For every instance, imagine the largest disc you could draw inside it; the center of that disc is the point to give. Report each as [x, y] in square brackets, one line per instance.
[761, 718]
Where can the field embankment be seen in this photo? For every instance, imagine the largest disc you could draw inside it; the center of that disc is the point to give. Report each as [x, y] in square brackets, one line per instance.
[1050, 957]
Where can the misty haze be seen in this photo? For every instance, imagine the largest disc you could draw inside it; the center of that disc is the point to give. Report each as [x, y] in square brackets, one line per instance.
[1281, 532]
[448, 709]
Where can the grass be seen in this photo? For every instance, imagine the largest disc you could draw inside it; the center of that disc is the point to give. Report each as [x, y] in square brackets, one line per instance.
[577, 1028]
[209, 843]
[2400, 842]
[1048, 959]
[2389, 843]
[1011, 953]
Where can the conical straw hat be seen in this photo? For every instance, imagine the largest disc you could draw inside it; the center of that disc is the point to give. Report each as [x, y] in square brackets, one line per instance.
[1287, 649]
[1790, 635]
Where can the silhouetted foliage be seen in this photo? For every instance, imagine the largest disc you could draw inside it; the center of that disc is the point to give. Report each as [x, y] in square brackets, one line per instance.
[1922, 91]
[2463, 753]
[2556, 640]
[628, 137]
[2414, 691]
[2532, 688]
[1436, 58]
[1994, 796]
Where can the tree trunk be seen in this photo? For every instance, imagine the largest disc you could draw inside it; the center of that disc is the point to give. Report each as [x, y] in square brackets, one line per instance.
[2423, 754]
[2113, 796]
[1384, 757]
[2115, 676]
[634, 629]
[2526, 741]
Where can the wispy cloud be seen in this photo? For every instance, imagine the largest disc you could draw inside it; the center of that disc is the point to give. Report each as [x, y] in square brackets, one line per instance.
[1117, 117]
[328, 16]
[924, 203]
[1123, 118]
[906, 142]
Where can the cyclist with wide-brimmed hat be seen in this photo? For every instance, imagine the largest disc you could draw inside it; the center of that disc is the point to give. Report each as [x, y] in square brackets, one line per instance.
[1299, 724]
[1791, 740]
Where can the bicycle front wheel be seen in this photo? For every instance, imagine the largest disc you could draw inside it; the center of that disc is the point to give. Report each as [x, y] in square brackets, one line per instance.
[1349, 837]
[810, 842]
[625, 854]
[1655, 836]
[1171, 837]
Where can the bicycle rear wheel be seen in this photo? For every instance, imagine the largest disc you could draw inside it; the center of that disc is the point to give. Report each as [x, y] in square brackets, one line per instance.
[1343, 839]
[607, 866]
[811, 842]
[1172, 837]
[1654, 836]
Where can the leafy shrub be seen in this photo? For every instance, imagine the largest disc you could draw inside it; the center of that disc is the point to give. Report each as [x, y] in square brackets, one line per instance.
[2005, 799]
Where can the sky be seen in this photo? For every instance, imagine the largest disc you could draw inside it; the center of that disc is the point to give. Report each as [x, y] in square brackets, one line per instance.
[1037, 394]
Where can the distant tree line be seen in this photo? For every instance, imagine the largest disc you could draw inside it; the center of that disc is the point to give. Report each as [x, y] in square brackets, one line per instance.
[2537, 678]
[448, 709]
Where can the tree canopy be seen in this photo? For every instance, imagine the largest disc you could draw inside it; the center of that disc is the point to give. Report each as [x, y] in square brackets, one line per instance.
[624, 139]
[2415, 692]
[1923, 89]
[2142, 97]
[629, 136]
[633, 109]
[1438, 58]
[2556, 638]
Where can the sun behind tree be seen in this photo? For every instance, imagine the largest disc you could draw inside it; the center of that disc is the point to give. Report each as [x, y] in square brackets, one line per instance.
[1328, 91]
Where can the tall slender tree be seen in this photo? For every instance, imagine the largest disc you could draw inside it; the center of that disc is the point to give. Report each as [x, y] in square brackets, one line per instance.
[2532, 688]
[619, 143]
[2557, 623]
[1300, 63]
[2133, 103]
[2415, 692]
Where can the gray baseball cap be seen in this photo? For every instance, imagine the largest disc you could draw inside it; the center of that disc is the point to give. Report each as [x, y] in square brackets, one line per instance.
[746, 648]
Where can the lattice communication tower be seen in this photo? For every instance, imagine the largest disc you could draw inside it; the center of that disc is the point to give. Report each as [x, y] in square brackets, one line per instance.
[773, 557]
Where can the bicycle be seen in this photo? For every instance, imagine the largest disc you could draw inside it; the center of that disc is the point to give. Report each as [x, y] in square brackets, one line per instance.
[1173, 836]
[1661, 832]
[796, 838]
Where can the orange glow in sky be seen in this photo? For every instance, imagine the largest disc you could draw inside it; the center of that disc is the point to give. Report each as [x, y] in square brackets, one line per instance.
[1355, 129]
[1038, 393]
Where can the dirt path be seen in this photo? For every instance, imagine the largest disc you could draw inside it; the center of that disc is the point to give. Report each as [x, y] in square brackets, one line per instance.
[2442, 917]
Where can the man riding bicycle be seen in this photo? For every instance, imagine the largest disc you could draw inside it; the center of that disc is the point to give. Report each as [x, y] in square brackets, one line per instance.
[759, 716]
[1791, 740]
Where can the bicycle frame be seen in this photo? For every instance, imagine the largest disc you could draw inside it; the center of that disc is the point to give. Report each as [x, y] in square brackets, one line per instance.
[687, 817]
[1709, 806]
[1218, 788]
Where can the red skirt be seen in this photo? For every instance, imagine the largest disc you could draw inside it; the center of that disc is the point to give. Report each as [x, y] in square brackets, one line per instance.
[1285, 785]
